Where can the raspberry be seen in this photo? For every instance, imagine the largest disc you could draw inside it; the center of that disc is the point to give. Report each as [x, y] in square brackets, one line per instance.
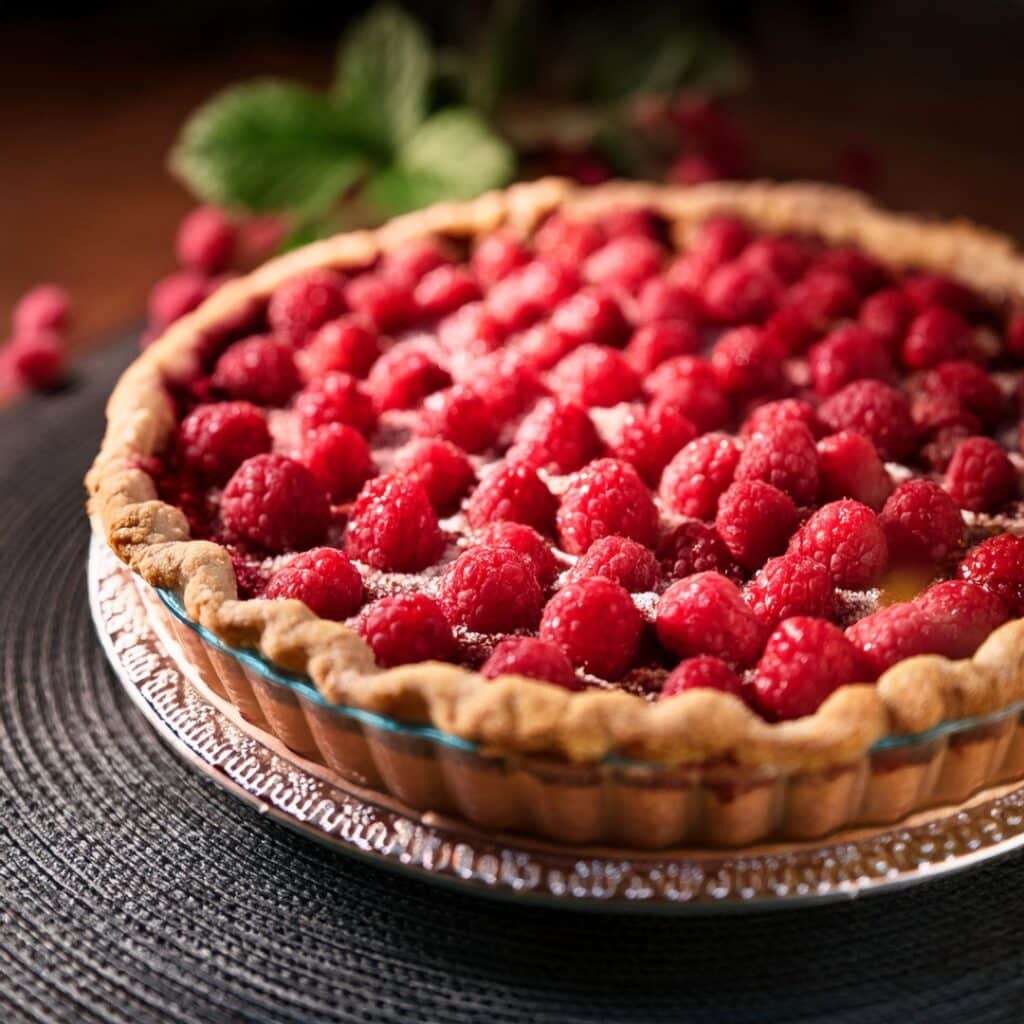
[659, 340]
[597, 625]
[783, 258]
[495, 257]
[933, 411]
[688, 383]
[557, 436]
[339, 457]
[864, 271]
[847, 538]
[695, 479]
[804, 661]
[507, 385]
[747, 362]
[607, 497]
[937, 454]
[37, 359]
[719, 239]
[706, 614]
[535, 659]
[470, 331]
[964, 613]
[791, 585]
[413, 260]
[620, 560]
[997, 565]
[789, 330]
[324, 579]
[822, 297]
[591, 316]
[491, 590]
[844, 355]
[968, 386]
[347, 344]
[926, 290]
[677, 370]
[215, 439]
[257, 369]
[47, 307]
[175, 295]
[894, 633]
[568, 241]
[755, 520]
[406, 628]
[512, 492]
[783, 455]
[737, 294]
[887, 315]
[441, 467]
[459, 415]
[875, 410]
[624, 262]
[275, 503]
[981, 477]
[387, 304]
[936, 336]
[631, 220]
[541, 347]
[701, 673]
[693, 547]
[661, 299]
[445, 289]
[529, 293]
[650, 437]
[403, 377]
[764, 418]
[336, 398]
[595, 375]
[300, 305]
[849, 467]
[206, 240]
[525, 542]
[393, 526]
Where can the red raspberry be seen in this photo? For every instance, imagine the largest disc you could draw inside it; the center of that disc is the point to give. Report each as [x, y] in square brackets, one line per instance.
[791, 585]
[788, 329]
[887, 315]
[215, 439]
[206, 240]
[607, 497]
[847, 354]
[591, 316]
[847, 538]
[620, 560]
[747, 362]
[175, 295]
[822, 297]
[339, 457]
[936, 336]
[406, 628]
[459, 415]
[624, 262]
[388, 305]
[257, 369]
[737, 294]
[719, 239]
[393, 526]
[513, 492]
[755, 520]
[783, 258]
[300, 305]
[893, 633]
[688, 383]
[659, 340]
[927, 290]
[403, 377]
[804, 661]
[275, 503]
[937, 454]
[849, 467]
[445, 289]
[47, 307]
[533, 658]
[693, 547]
[875, 410]
[701, 673]
[785, 456]
[631, 220]
[706, 614]
[765, 418]
[37, 359]
[335, 398]
[997, 564]
[864, 271]
[441, 467]
[1015, 334]
[698, 475]
[495, 257]
[938, 410]
[413, 260]
[525, 542]
[557, 436]
[964, 614]
[491, 590]
[595, 375]
[969, 387]
[650, 437]
[981, 477]
[346, 344]
[529, 293]
[506, 384]
[685, 369]
[470, 331]
[597, 625]
[568, 241]
[541, 347]
[661, 299]
[324, 579]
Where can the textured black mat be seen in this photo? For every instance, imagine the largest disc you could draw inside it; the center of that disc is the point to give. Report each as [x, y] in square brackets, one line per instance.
[134, 890]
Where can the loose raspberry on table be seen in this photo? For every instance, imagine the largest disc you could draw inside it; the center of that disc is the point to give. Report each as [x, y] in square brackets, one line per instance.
[922, 523]
[529, 293]
[887, 315]
[964, 613]
[736, 294]
[624, 262]
[659, 340]
[206, 240]
[525, 542]
[620, 560]
[784, 410]
[339, 457]
[413, 260]
[980, 476]
[755, 520]
[597, 625]
[37, 359]
[388, 304]
[335, 398]
[935, 336]
[785, 258]
[441, 467]
[557, 436]
[701, 673]
[689, 384]
[747, 363]
[997, 564]
[879, 412]
[692, 547]
[926, 290]
[607, 497]
[591, 316]
[822, 297]
[791, 585]
[175, 295]
[514, 492]
[661, 299]
[967, 385]
[347, 344]
[300, 305]
[893, 633]
[849, 467]
[274, 503]
[785, 456]
[458, 414]
[46, 307]
[847, 354]
[444, 290]
[533, 658]
[216, 438]
[406, 628]
[491, 590]
[393, 526]
[495, 256]
[566, 240]
[258, 369]
[697, 476]
[403, 377]
[848, 539]
[595, 375]
[324, 579]
[650, 437]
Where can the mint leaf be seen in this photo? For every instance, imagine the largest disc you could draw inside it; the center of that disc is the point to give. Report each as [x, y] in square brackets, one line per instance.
[267, 145]
[384, 70]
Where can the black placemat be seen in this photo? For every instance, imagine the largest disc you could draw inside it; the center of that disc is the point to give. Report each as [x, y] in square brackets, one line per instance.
[133, 890]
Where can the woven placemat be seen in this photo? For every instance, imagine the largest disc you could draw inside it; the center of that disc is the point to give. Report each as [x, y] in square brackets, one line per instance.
[131, 889]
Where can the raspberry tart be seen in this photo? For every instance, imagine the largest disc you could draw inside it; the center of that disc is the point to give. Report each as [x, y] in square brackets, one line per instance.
[644, 515]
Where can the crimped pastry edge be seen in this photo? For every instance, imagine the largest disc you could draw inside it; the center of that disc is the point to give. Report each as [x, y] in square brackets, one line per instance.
[514, 713]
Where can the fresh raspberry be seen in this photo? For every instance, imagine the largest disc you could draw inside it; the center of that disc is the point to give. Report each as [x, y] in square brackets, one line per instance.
[875, 410]
[403, 377]
[470, 331]
[969, 387]
[938, 452]
[597, 625]
[997, 564]
[964, 613]
[755, 520]
[766, 417]
[529, 293]
[936, 336]
[206, 240]
[887, 315]
[804, 661]
[393, 526]
[620, 560]
[790, 331]
[346, 344]
[926, 290]
[441, 467]
[659, 340]
[706, 614]
[847, 354]
[822, 297]
[650, 437]
[300, 305]
[335, 398]
[525, 542]
[698, 475]
[411, 261]
[557, 436]
[506, 384]
[541, 347]
[458, 414]
[747, 363]
[568, 241]
[783, 455]
[701, 673]
[847, 538]
[445, 289]
[595, 375]
[784, 258]
[720, 239]
[495, 257]
[693, 547]
[175, 295]
[607, 497]
[258, 369]
[533, 658]
[981, 477]
[47, 307]
[1015, 334]
[736, 294]
[865, 272]
[620, 221]
[339, 457]
[215, 439]
[491, 590]
[406, 628]
[37, 359]
[689, 383]
[324, 579]
[791, 585]
[388, 305]
[661, 299]
[685, 369]
[591, 316]
[513, 492]
[936, 410]
[849, 467]
[893, 633]
[275, 503]
[624, 262]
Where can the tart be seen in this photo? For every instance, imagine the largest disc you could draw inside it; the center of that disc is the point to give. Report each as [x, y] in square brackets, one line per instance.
[674, 506]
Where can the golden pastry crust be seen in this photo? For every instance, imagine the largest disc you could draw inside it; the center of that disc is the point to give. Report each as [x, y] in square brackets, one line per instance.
[513, 713]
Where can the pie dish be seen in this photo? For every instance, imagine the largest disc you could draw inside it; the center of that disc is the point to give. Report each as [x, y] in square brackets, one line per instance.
[675, 507]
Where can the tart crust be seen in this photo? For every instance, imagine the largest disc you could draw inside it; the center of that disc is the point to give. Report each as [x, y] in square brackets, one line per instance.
[512, 713]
